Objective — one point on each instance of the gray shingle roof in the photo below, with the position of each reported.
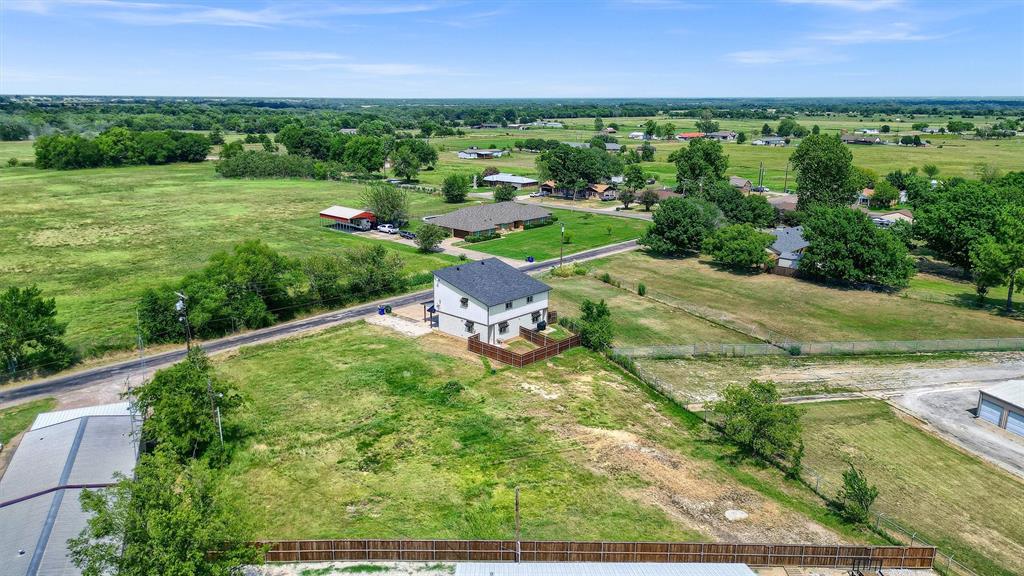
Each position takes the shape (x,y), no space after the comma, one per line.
(788,241)
(488,216)
(491,281)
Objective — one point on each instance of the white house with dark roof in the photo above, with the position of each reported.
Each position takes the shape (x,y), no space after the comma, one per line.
(489,298)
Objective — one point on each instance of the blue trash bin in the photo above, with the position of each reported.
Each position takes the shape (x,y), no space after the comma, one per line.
(529,258)
(380,310)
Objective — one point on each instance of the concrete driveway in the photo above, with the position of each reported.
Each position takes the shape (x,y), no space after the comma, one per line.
(950,412)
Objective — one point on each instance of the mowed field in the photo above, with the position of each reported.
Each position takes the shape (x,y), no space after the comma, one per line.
(585,231)
(955,501)
(638,321)
(96,239)
(805,311)
(357,432)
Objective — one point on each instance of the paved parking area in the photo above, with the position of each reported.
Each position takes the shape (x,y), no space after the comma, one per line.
(950,412)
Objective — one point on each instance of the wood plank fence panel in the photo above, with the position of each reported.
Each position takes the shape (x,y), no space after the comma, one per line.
(837,556)
(548,347)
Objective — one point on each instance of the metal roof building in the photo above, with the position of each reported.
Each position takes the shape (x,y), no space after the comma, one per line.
(1003,405)
(599,569)
(490,217)
(62,453)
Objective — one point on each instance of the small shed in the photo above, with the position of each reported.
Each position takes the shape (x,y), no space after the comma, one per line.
(344,218)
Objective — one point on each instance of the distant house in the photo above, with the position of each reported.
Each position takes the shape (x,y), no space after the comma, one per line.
(488,298)
(636,135)
(784,202)
(769,141)
(577,144)
(687,136)
(860,139)
(788,249)
(742,183)
(666,193)
(612,147)
(480,153)
(866,131)
(599,190)
(609,130)
(722,136)
(487,125)
(898,216)
(864,198)
(519,182)
(545,124)
(350,131)
(489,218)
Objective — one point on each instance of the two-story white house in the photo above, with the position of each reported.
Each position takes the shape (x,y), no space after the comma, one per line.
(489,298)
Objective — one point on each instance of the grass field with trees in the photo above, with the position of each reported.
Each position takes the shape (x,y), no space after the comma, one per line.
(805,311)
(96,239)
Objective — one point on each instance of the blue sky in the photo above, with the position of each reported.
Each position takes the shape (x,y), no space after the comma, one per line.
(550,49)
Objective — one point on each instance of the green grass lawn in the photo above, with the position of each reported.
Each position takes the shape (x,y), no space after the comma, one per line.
(585,229)
(356,432)
(17,419)
(95,239)
(638,321)
(803,310)
(953,500)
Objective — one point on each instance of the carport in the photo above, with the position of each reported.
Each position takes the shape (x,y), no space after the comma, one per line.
(344,218)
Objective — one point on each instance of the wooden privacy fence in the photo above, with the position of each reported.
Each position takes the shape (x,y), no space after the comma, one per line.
(834,556)
(547,347)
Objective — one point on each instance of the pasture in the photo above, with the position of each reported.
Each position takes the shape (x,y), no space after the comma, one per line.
(584,230)
(951,499)
(806,311)
(430,442)
(96,239)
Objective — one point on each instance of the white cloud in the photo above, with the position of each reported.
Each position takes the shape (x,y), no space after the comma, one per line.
(854,5)
(800,55)
(293,55)
(170,14)
(899,32)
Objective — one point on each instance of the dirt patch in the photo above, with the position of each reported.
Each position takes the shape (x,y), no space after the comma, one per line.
(85,235)
(399,324)
(685,490)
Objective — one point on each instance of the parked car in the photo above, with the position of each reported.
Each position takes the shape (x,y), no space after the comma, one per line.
(394,180)
(538,194)
(388,228)
(761,189)
(406,234)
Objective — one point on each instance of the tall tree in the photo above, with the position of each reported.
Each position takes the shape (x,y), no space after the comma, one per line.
(739,246)
(405,163)
(856,496)
(455,188)
(30,335)
(634,178)
(824,168)
(388,203)
(702,162)
(595,325)
(680,225)
(706,124)
(999,259)
(598,124)
(755,418)
(428,236)
(505,193)
(167,519)
(845,245)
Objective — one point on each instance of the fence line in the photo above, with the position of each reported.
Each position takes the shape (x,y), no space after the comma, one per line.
(547,347)
(824,348)
(830,556)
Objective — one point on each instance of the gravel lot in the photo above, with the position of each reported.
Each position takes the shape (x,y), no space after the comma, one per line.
(950,412)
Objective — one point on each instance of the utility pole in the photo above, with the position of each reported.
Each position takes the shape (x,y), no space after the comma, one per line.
(785,185)
(182,308)
(561,247)
(519,550)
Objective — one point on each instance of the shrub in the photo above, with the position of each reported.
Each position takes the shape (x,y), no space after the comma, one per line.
(455,188)
(757,421)
(595,325)
(482,237)
(606,278)
(429,236)
(12,162)
(641,289)
(856,496)
(567,238)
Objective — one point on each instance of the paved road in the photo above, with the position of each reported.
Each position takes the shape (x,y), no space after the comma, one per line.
(121,370)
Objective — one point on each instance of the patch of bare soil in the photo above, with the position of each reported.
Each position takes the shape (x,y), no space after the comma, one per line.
(451,346)
(687,491)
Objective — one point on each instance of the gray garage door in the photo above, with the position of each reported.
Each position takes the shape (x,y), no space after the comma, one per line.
(1015,423)
(990,411)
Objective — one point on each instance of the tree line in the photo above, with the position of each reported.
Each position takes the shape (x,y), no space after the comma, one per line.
(253,286)
(119,147)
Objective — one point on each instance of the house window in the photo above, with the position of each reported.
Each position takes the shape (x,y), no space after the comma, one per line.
(508,305)
(535,316)
(469,326)
(464,302)
(502,327)
(529,299)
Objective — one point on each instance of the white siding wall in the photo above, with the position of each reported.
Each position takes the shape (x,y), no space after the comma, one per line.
(452,316)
